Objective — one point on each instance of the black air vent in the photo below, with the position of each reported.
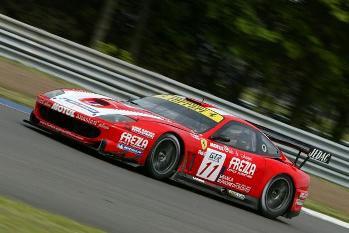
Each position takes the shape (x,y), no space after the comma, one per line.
(69,123)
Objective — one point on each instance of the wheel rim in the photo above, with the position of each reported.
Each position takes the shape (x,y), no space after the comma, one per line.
(164,156)
(278,194)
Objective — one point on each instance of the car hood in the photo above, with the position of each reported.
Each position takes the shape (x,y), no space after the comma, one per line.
(96,105)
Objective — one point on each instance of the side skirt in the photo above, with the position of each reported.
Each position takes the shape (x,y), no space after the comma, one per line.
(216,190)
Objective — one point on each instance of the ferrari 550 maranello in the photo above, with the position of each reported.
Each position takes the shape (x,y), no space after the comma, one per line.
(186,140)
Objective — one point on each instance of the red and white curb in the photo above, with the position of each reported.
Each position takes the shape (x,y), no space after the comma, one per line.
(326,217)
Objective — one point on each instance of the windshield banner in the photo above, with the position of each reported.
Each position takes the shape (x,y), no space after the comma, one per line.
(193,106)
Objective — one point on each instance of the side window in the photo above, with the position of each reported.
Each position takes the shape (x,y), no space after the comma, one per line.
(266,147)
(240,136)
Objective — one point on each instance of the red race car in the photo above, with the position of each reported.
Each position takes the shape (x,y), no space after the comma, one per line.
(183,139)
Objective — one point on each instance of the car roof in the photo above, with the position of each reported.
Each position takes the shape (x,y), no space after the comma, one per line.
(229,116)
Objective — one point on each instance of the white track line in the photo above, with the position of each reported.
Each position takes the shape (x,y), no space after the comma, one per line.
(326,218)
(14,108)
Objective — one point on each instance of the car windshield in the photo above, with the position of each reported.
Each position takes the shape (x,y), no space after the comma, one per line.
(182,111)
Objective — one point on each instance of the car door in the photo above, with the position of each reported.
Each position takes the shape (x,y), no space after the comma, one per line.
(231,159)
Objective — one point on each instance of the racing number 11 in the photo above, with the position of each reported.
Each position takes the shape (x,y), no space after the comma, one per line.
(211,164)
(205,168)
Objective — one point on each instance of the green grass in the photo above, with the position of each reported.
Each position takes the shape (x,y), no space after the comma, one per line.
(26,99)
(37,71)
(323,208)
(17,97)
(21,218)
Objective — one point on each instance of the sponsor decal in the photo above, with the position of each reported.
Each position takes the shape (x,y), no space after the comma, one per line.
(133,141)
(143,132)
(203,144)
(215,157)
(60,130)
(243,156)
(303,195)
(129,148)
(44,102)
(91,121)
(195,136)
(320,155)
(103,126)
(211,164)
(236,195)
(300,202)
(221,147)
(201,152)
(62,109)
(242,167)
(88,120)
(301,198)
(193,106)
(228,181)
(198,179)
(225,180)
(81,105)
(264,148)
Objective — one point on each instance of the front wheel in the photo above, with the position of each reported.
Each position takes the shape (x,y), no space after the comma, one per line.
(277,196)
(164,158)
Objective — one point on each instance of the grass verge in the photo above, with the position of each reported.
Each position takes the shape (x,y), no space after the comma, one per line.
(21,83)
(325,209)
(21,218)
(17,97)
(328,198)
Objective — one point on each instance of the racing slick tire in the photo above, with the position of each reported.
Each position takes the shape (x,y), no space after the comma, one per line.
(277,196)
(164,157)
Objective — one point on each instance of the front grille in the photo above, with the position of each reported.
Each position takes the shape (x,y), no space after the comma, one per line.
(69,123)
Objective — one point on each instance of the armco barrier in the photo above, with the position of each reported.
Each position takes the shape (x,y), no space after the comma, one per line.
(111,76)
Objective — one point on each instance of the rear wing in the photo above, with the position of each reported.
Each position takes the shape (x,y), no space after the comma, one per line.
(305,152)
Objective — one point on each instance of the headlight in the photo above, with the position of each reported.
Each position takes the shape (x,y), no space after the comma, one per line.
(117,118)
(54,93)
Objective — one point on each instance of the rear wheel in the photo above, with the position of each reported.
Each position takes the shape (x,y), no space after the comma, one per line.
(164,158)
(277,196)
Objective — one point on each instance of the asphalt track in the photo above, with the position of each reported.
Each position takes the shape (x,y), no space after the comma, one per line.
(55,175)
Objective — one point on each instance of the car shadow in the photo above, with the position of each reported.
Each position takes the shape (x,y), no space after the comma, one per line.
(81,147)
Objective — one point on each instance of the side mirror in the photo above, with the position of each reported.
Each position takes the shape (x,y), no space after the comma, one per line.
(220,138)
